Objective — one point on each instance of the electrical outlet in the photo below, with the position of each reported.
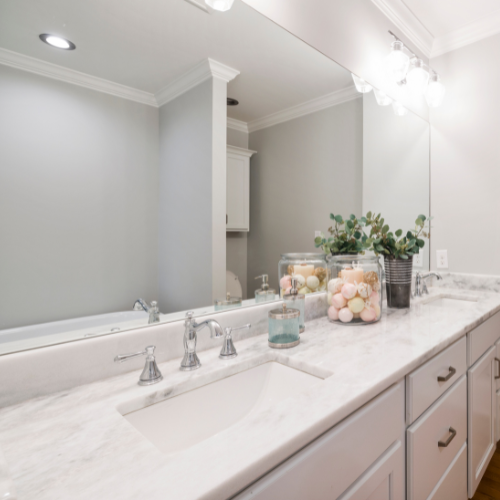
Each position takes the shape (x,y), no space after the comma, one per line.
(418,260)
(317,233)
(442,259)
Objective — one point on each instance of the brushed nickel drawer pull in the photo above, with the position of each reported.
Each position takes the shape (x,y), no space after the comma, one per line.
(444,444)
(445,379)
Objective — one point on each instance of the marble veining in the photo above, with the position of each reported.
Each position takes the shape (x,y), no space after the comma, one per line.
(462,281)
(76,444)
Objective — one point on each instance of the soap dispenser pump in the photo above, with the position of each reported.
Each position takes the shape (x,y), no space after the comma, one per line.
(264,293)
(296,300)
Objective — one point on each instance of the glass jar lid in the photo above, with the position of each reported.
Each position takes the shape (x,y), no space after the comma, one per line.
(303,256)
(284,313)
(228,301)
(350,258)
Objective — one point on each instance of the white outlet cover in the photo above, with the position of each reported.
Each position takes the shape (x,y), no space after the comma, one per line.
(442,259)
(418,260)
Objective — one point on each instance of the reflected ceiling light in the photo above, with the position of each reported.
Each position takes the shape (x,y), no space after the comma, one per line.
(57,41)
(434,94)
(399,109)
(221,5)
(361,85)
(417,78)
(232,102)
(382,98)
(397,62)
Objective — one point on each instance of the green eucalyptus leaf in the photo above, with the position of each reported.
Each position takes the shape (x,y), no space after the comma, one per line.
(385,229)
(404,257)
(419,222)
(318,240)
(422,217)
(399,232)
(338,218)
(332,216)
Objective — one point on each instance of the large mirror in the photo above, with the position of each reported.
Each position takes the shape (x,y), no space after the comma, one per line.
(126,173)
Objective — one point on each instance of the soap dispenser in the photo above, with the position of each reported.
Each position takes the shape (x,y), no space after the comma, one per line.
(296,300)
(264,293)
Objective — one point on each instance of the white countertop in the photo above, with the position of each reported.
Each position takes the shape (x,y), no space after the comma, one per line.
(76,445)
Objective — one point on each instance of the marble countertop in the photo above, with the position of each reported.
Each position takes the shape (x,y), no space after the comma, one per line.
(76,444)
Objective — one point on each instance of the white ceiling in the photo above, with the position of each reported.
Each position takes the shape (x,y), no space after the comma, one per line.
(441,17)
(148,44)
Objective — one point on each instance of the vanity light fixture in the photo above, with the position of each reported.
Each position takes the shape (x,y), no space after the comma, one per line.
(417,78)
(221,5)
(399,109)
(57,41)
(434,94)
(361,85)
(232,102)
(382,98)
(397,62)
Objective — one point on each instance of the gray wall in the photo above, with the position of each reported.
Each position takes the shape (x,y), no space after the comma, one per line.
(185,219)
(304,169)
(78,200)
(237,138)
(396,166)
(465,152)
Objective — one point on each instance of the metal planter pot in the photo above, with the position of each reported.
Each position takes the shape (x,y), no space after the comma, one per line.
(398,274)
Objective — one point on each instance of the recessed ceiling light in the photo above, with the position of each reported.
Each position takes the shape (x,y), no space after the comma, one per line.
(232,102)
(58,42)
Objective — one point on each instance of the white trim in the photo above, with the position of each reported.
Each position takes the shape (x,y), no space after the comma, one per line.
(404,19)
(237,125)
(473,32)
(306,108)
(203,71)
(248,153)
(39,67)
(200,4)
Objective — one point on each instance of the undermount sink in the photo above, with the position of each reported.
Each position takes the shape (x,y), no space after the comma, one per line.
(450,301)
(185,420)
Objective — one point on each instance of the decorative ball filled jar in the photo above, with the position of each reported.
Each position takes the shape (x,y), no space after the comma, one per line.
(355,291)
(310,269)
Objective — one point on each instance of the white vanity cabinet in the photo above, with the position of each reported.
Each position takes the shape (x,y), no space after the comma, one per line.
(362,458)
(497,387)
(238,189)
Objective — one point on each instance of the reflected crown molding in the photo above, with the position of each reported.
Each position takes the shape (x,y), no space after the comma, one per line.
(237,125)
(306,108)
(206,69)
(56,72)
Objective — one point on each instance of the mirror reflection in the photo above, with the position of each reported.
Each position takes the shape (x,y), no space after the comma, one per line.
(149,173)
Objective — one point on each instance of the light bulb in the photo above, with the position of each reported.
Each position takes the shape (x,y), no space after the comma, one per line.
(434,94)
(382,98)
(417,78)
(399,109)
(361,85)
(397,63)
(221,5)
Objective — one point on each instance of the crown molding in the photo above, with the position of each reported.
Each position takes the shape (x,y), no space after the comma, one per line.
(407,23)
(306,108)
(473,32)
(204,70)
(240,151)
(39,67)
(237,125)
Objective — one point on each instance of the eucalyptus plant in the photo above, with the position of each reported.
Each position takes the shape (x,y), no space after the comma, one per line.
(347,236)
(394,245)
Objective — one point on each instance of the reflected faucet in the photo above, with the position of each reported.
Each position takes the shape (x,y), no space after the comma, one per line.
(154,313)
(191,360)
(420,285)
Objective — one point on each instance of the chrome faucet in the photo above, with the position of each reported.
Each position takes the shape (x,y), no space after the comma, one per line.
(420,285)
(151,373)
(191,360)
(228,350)
(154,313)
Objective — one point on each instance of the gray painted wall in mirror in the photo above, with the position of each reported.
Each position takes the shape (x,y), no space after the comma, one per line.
(78,200)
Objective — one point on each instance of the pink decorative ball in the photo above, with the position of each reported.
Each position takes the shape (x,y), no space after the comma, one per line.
(375,298)
(368,314)
(339,301)
(286,282)
(349,291)
(333,313)
(345,315)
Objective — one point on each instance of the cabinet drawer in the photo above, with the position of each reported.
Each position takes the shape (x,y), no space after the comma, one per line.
(498,417)
(453,485)
(427,460)
(482,338)
(423,386)
(330,465)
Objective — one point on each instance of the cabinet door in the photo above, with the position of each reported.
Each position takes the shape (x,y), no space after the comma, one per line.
(481,413)
(238,192)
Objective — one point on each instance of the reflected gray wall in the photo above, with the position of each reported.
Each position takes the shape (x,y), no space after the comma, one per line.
(78,200)
(303,170)
(395,166)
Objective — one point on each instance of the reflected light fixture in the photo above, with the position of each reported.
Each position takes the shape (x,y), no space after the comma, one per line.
(57,41)
(434,94)
(361,85)
(417,78)
(221,5)
(397,62)
(382,98)
(399,109)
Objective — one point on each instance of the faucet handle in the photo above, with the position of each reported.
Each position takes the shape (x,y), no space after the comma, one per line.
(228,350)
(151,373)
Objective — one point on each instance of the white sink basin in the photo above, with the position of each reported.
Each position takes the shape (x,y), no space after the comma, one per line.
(185,420)
(450,301)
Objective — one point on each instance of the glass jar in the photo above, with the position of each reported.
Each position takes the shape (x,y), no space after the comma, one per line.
(227,303)
(355,293)
(283,328)
(310,269)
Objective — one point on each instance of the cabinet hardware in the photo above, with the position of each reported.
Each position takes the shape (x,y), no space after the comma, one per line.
(498,361)
(445,379)
(444,444)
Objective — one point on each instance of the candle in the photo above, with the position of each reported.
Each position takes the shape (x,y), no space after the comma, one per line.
(352,275)
(305,270)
